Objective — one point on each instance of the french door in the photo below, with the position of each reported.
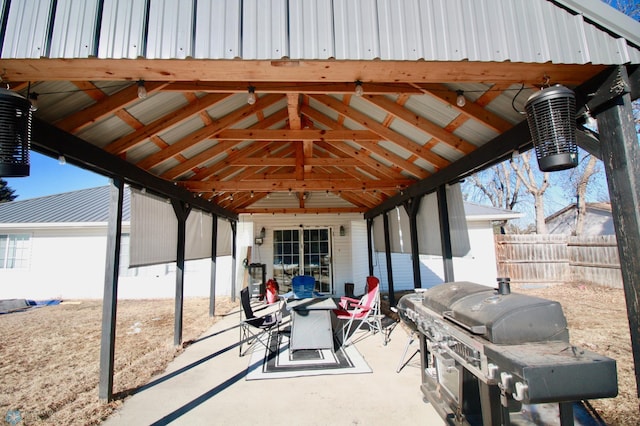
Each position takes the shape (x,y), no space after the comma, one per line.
(303,252)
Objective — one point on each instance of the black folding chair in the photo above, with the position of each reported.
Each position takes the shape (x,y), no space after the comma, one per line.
(255,329)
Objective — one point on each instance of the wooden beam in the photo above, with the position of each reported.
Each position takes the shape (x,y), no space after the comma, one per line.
(165,122)
(621,158)
(49,140)
(307,210)
(471,110)
(294,185)
(110,297)
(493,152)
(104,107)
(291,87)
(421,123)
(383,132)
(174,70)
(206,132)
(289,135)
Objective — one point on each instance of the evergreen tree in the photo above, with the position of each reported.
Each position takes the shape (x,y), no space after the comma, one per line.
(6,193)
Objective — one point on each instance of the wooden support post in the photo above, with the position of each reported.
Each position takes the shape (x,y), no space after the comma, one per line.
(110,298)
(234,232)
(445,234)
(370,245)
(621,157)
(411,206)
(387,250)
(214,258)
(181,210)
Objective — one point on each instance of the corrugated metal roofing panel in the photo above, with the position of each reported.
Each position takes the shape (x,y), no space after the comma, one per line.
(60,98)
(447,151)
(355,24)
(264,29)
(27,29)
(436,30)
(122,29)
(400,29)
(105,131)
(218,29)
(311,29)
(474,132)
(74,29)
(170,33)
(86,205)
(175,133)
(431,109)
(367,108)
(156,106)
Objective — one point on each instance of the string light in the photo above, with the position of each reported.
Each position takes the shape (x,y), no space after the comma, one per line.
(251,96)
(142,91)
(359,90)
(251,194)
(460,99)
(61,160)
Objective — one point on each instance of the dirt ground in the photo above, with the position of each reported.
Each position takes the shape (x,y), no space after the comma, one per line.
(598,321)
(49,357)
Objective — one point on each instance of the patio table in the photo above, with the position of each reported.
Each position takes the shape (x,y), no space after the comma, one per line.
(311,323)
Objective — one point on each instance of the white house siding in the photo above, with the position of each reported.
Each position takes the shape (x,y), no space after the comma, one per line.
(478,266)
(63,263)
(69,263)
(342,245)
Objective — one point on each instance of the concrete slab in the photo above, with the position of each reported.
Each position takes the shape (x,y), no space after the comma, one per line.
(206,385)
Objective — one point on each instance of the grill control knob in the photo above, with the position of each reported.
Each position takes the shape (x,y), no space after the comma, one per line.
(521,388)
(505,379)
(492,370)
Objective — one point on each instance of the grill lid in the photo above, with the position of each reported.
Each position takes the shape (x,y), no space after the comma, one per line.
(499,318)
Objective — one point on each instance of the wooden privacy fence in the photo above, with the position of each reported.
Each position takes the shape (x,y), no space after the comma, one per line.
(558,259)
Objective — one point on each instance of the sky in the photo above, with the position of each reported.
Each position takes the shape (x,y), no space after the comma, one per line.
(49,177)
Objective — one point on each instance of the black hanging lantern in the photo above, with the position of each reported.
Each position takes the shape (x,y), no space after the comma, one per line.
(551,114)
(15,134)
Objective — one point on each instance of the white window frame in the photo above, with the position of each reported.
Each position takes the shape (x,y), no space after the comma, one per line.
(16,251)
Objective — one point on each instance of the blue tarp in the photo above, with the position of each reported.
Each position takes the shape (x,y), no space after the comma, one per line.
(8,306)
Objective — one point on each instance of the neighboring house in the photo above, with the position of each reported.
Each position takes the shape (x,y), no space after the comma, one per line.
(55,247)
(598,220)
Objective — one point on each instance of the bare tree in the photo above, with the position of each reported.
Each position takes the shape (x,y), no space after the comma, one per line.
(581,192)
(527,177)
(628,7)
(498,185)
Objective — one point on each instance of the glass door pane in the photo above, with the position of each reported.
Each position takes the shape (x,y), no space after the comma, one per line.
(317,258)
(286,257)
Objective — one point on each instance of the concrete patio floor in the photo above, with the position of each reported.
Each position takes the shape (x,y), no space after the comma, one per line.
(206,385)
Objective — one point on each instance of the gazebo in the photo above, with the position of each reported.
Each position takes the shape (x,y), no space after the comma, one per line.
(317,107)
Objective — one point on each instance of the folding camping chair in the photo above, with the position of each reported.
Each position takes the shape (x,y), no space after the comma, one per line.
(255,329)
(363,311)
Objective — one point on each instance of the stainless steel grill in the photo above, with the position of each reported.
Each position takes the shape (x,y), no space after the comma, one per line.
(485,352)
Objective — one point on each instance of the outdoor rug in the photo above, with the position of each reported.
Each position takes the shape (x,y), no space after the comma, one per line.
(281,363)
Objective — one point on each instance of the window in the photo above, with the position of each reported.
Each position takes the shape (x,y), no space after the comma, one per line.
(14,251)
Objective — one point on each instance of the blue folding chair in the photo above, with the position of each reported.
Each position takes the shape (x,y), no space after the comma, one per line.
(302,286)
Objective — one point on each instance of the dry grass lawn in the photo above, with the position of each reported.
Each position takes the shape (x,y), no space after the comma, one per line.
(598,321)
(49,357)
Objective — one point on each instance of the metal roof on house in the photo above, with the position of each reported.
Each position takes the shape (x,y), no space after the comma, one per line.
(84,206)
(92,206)
(475,211)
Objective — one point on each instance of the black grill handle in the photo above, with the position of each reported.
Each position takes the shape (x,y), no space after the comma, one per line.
(474,329)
